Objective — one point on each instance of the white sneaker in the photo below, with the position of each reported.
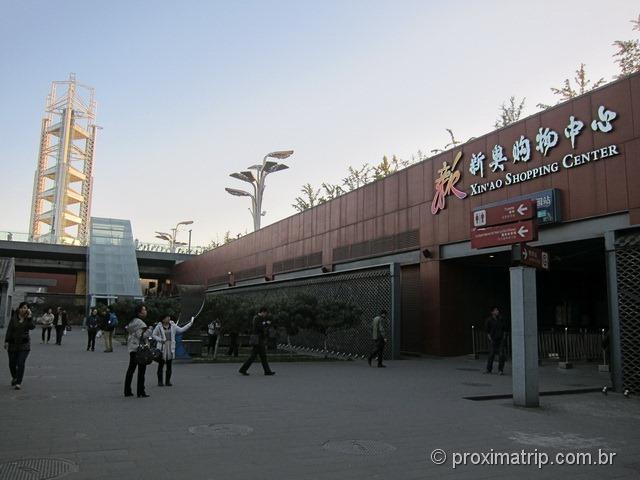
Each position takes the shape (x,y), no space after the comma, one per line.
(17,387)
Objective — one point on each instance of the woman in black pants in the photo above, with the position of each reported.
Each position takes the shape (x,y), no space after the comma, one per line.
(137,336)
(165,336)
(18,343)
(92,329)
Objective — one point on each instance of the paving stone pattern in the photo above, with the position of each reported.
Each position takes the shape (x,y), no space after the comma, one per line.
(313,420)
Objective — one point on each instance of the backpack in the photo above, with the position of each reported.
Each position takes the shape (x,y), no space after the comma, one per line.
(112,322)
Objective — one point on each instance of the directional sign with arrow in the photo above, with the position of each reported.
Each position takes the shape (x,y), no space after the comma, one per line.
(508,234)
(507,213)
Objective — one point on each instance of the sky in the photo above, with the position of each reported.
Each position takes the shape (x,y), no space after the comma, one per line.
(188,92)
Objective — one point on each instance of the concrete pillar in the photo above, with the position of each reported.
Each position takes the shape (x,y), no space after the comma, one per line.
(524,336)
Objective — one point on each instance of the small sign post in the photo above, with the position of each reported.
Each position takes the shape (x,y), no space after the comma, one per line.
(514,224)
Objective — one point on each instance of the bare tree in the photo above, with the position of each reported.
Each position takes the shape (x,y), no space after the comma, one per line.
(567,91)
(310,198)
(510,112)
(628,53)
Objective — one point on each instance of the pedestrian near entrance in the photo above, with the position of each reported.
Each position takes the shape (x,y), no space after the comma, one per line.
(92,329)
(233,343)
(109,322)
(496,329)
(164,334)
(137,336)
(213,331)
(379,339)
(60,323)
(17,343)
(257,339)
(46,322)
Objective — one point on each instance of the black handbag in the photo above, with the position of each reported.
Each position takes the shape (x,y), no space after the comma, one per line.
(156,354)
(254,339)
(144,356)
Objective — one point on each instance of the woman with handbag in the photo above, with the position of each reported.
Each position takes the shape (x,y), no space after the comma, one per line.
(17,342)
(136,338)
(165,336)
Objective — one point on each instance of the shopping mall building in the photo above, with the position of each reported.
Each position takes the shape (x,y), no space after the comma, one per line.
(405,240)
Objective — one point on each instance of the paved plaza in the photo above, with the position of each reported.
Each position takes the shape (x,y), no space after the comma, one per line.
(313,420)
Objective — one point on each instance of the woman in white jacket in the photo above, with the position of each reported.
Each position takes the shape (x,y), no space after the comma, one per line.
(165,334)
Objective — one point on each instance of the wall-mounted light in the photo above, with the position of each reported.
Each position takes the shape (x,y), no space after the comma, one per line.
(426,253)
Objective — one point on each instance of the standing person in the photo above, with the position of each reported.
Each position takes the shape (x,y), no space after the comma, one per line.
(60,323)
(496,329)
(379,339)
(137,336)
(109,324)
(165,335)
(259,327)
(45,323)
(213,330)
(233,343)
(18,343)
(92,329)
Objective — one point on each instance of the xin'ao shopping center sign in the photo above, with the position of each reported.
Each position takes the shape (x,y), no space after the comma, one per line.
(494,170)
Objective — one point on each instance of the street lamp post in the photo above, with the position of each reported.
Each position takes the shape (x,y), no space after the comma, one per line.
(257,180)
(171,237)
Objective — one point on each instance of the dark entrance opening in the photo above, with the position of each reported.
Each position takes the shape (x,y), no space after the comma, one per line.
(573,294)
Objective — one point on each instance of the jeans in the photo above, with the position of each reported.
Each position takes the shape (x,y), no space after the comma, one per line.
(48,331)
(129,376)
(59,334)
(495,348)
(16,364)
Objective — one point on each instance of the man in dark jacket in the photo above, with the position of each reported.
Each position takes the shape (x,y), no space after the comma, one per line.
(259,331)
(60,322)
(496,329)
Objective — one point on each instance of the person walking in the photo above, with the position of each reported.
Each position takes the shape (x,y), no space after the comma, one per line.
(259,328)
(60,324)
(213,330)
(92,329)
(164,334)
(379,339)
(496,329)
(17,343)
(137,336)
(46,321)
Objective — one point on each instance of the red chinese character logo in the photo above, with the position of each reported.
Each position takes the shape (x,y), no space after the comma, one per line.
(445,185)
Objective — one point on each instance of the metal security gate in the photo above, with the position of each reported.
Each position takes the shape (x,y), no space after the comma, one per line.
(412,340)
(627,252)
(370,289)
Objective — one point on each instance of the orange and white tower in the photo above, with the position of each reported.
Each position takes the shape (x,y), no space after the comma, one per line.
(61,205)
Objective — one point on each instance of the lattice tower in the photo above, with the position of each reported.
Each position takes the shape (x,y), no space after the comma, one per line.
(61,204)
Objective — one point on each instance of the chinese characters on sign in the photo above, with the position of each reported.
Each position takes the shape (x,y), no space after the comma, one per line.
(445,185)
(546,140)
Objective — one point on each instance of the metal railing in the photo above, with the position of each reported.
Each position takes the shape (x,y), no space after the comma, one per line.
(60,240)
(562,344)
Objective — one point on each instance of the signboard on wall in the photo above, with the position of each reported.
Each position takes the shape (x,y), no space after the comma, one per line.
(506,213)
(507,234)
(501,165)
(548,204)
